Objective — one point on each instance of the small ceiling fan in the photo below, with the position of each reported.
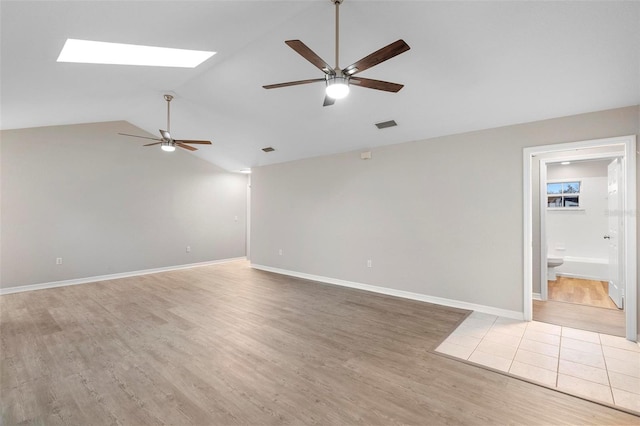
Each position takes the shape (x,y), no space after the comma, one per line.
(338,79)
(167,143)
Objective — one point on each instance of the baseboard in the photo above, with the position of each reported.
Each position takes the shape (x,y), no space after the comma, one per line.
(537,296)
(398,293)
(582,276)
(54,284)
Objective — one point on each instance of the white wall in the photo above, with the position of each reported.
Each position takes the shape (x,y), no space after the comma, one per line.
(106,205)
(440,217)
(579,233)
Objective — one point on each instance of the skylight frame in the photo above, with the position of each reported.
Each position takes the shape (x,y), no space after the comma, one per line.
(107,53)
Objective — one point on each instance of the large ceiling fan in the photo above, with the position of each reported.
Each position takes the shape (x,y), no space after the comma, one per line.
(167,142)
(338,79)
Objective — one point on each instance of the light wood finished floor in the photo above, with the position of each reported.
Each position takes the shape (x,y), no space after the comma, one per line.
(584,292)
(226,344)
(583,317)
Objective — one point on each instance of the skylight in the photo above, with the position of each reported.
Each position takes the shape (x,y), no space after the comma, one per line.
(99,52)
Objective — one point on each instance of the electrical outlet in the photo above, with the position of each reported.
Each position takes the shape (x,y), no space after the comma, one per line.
(188,249)
(369,263)
(58,261)
(280,252)
(235,218)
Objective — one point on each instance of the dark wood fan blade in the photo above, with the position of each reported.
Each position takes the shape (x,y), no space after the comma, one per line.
(192,141)
(142,137)
(304,51)
(190,148)
(149,144)
(328,101)
(293,83)
(387,52)
(376,84)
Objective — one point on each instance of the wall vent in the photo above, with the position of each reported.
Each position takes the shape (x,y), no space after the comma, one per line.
(268,149)
(385,124)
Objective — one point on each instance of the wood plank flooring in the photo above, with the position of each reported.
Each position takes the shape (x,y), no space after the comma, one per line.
(226,344)
(583,317)
(584,292)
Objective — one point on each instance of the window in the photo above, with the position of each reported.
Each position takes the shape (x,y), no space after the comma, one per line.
(563,194)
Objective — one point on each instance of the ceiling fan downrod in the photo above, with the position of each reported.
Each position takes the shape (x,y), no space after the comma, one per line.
(168,98)
(338,82)
(337,3)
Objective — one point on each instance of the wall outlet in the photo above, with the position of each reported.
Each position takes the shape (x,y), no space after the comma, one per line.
(369,263)
(58,261)
(235,218)
(188,249)
(280,252)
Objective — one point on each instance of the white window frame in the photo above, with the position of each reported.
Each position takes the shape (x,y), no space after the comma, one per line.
(562,208)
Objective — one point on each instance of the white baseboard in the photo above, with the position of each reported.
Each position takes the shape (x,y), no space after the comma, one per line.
(42,286)
(591,277)
(398,293)
(537,296)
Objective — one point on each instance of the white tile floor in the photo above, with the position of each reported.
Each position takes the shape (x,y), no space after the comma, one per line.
(596,366)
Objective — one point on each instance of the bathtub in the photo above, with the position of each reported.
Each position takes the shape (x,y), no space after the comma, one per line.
(585,268)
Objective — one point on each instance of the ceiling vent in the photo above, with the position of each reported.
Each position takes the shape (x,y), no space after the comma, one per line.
(268,149)
(385,124)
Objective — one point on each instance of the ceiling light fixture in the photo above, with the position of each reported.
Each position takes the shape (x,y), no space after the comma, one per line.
(168,146)
(566,163)
(337,87)
(246,171)
(99,52)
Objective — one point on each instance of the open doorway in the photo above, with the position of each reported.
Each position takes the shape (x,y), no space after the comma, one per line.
(580,235)
(578,189)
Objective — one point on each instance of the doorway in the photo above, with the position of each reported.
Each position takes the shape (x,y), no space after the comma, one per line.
(557,206)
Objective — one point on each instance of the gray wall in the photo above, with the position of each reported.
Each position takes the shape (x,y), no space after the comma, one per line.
(106,204)
(441,217)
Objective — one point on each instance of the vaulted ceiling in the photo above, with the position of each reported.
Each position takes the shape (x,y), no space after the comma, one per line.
(472,65)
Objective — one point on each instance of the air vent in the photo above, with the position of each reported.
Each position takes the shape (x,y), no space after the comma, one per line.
(385,124)
(268,149)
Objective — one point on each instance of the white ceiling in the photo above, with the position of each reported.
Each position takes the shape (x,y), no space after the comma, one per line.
(472,65)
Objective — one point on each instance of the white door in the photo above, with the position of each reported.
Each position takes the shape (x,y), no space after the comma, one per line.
(616,285)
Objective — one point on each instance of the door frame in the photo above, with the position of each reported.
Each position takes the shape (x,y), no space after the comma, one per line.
(629,203)
(544,290)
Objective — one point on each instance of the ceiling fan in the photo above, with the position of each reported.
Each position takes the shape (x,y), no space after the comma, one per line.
(338,79)
(167,143)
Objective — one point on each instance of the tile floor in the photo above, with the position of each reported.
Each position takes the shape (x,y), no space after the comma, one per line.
(596,366)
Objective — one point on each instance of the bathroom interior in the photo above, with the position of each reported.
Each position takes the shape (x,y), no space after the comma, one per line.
(583,271)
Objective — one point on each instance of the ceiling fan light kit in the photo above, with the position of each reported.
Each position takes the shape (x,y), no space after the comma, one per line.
(337,87)
(168,146)
(338,79)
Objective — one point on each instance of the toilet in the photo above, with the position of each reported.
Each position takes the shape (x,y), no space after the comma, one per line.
(552,264)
